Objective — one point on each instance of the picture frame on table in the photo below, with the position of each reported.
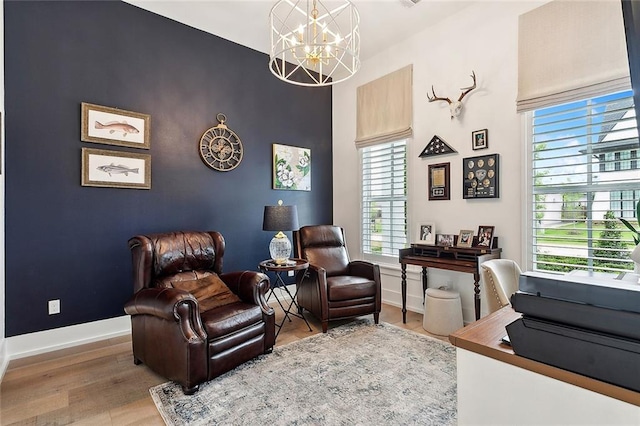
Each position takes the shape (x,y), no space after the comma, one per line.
(438,181)
(465,239)
(485,236)
(427,233)
(113,126)
(480,139)
(445,240)
(115,169)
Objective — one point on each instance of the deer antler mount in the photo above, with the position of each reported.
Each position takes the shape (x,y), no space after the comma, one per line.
(454,106)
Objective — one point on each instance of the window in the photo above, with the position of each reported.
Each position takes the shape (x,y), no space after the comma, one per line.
(584,177)
(384,198)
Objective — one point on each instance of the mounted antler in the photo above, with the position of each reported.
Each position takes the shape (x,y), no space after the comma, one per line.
(455,107)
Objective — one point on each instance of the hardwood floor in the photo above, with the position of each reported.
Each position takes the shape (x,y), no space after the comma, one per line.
(98,383)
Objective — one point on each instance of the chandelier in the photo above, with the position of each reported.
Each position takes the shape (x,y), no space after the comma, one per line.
(312,45)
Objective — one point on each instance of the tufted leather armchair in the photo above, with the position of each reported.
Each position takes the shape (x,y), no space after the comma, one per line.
(500,277)
(179,334)
(335,287)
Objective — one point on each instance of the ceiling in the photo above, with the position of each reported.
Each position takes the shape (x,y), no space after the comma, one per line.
(383,23)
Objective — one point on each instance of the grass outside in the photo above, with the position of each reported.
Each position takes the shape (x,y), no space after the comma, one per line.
(575,234)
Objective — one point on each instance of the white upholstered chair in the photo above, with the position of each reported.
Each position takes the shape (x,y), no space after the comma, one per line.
(500,277)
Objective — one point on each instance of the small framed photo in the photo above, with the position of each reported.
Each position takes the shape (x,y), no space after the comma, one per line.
(115,169)
(465,239)
(445,240)
(427,233)
(485,236)
(113,126)
(480,139)
(439,181)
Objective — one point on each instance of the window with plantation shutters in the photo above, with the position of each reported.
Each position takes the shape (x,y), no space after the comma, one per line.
(585,175)
(384,198)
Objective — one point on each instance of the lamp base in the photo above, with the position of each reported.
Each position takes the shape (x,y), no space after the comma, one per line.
(280,249)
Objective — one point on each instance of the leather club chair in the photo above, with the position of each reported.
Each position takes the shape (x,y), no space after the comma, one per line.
(500,277)
(335,287)
(189,321)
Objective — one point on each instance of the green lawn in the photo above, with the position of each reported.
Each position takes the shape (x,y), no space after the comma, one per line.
(575,234)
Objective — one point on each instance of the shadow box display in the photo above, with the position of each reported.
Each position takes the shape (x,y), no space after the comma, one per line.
(481,176)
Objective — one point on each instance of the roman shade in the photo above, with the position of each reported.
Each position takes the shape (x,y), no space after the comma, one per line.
(385,108)
(571,50)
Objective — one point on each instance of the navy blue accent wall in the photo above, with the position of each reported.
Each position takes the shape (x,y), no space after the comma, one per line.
(68,242)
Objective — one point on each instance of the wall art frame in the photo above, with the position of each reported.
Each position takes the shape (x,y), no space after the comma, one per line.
(465,238)
(427,233)
(115,169)
(481,176)
(439,182)
(485,236)
(113,126)
(291,168)
(480,139)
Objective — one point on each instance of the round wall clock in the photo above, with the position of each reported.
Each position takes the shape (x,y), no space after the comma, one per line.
(220,148)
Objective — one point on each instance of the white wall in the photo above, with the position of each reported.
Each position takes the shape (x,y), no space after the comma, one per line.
(482,38)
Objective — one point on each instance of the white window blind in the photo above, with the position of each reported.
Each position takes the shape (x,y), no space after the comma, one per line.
(571,50)
(385,108)
(585,176)
(384,198)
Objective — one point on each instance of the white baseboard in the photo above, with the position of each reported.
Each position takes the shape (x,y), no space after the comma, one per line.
(65,337)
(4,358)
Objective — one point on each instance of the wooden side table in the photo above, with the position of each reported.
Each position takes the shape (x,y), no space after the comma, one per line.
(300,266)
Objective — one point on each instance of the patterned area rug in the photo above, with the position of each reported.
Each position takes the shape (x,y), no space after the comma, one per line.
(356,374)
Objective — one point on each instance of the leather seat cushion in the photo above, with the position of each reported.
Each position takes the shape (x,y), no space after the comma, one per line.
(346,287)
(227,319)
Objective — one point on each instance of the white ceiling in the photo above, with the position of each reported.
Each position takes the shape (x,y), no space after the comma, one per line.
(382,22)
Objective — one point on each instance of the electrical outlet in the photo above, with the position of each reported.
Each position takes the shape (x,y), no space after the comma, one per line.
(54,307)
(290,273)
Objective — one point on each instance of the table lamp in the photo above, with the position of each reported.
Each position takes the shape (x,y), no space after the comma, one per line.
(280,218)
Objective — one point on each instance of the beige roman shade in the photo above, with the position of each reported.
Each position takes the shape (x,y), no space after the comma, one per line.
(570,50)
(385,108)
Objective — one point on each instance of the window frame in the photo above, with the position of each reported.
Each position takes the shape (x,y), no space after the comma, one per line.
(388,258)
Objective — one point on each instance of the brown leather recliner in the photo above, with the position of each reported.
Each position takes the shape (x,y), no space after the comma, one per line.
(186,325)
(335,287)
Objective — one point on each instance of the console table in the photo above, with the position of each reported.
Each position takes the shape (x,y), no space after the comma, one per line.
(460,259)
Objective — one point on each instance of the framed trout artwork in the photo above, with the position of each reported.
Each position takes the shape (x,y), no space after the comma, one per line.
(113,126)
(115,169)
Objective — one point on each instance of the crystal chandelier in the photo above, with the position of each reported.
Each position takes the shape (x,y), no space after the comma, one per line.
(312,45)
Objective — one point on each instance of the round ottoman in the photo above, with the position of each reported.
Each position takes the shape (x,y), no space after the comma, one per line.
(442,311)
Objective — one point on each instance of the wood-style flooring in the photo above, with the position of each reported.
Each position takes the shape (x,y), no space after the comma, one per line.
(98,383)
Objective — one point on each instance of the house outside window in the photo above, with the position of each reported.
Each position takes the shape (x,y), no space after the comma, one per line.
(584,177)
(384,198)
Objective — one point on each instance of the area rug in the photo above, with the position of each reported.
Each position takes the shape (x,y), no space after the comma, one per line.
(356,374)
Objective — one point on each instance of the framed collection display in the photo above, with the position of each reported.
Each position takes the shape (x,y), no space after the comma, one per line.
(485,236)
(113,126)
(427,233)
(439,181)
(481,176)
(115,169)
(291,168)
(465,239)
(480,139)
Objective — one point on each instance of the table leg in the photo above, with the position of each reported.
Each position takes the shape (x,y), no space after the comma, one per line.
(404,292)
(424,282)
(476,290)
(294,303)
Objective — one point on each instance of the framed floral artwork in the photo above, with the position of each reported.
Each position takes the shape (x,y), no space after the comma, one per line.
(291,168)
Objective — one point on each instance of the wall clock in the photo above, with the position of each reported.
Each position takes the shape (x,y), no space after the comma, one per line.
(220,147)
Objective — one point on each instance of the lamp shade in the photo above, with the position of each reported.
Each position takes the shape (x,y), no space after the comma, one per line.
(280,218)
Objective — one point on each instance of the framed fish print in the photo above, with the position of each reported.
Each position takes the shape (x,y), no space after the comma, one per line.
(113,126)
(115,169)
